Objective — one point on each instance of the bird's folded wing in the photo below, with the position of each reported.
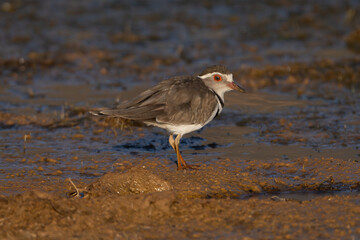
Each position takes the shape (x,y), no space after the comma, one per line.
(180,100)
(188,102)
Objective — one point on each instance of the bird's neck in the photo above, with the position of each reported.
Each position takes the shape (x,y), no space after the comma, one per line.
(220,98)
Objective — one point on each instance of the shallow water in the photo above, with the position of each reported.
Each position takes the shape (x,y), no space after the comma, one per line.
(246,130)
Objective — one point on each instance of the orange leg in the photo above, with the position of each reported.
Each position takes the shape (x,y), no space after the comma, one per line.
(180,160)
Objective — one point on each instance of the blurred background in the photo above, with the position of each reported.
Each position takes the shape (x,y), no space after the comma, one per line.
(125,43)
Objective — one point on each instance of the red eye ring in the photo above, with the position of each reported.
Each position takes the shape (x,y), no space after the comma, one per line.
(217,78)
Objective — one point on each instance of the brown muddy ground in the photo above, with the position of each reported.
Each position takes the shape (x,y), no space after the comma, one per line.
(281,162)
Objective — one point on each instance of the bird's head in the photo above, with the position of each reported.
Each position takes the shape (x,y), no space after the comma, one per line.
(219,79)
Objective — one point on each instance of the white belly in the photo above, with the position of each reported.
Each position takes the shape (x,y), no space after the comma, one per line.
(178,129)
(183,129)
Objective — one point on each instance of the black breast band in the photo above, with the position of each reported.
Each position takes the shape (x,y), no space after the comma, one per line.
(219,98)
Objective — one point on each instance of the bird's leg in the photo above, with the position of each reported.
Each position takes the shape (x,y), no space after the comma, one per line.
(181,162)
(175,147)
(172,142)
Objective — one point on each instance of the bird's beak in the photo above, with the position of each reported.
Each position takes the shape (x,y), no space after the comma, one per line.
(237,87)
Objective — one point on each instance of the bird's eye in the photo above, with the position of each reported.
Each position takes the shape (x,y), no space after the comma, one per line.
(217,78)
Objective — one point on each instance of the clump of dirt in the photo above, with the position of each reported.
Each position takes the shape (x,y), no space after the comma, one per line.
(134,181)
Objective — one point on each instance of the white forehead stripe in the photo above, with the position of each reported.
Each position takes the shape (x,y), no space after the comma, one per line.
(229,77)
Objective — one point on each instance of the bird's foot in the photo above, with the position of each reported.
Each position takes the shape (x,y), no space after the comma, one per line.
(182,164)
(188,166)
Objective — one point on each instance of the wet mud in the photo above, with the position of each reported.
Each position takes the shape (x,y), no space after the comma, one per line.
(280,162)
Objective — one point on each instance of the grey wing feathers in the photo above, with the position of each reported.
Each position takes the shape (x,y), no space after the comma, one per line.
(189,102)
(179,100)
(144,107)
